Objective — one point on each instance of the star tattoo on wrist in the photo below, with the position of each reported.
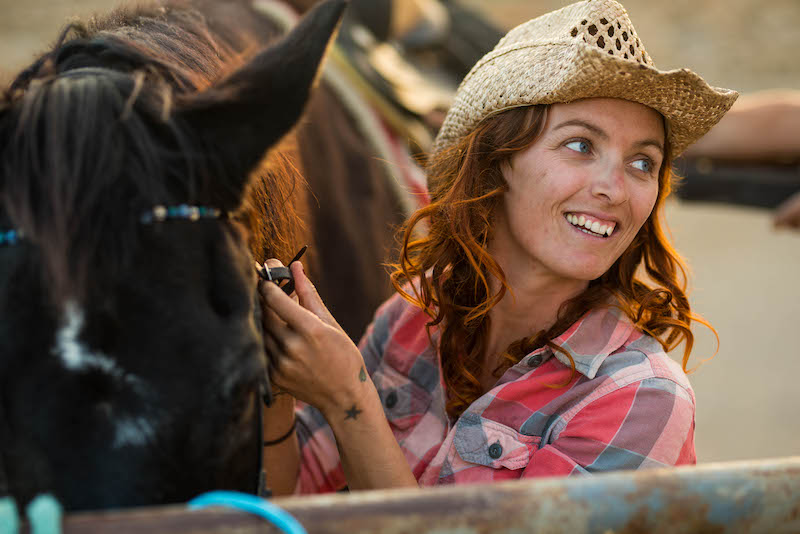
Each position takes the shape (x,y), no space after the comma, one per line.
(352,413)
(362,375)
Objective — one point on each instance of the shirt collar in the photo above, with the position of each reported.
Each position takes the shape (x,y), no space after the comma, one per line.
(593,338)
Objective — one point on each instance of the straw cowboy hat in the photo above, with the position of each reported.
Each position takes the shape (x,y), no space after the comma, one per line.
(588,49)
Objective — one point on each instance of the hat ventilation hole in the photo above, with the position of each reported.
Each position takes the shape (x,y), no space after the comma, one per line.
(614,36)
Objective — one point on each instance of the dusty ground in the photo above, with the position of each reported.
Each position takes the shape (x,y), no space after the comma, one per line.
(745,275)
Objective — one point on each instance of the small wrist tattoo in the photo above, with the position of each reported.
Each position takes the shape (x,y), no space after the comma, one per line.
(362,375)
(352,413)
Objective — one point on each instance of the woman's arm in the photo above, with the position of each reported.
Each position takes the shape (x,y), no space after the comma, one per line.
(316,362)
(281,460)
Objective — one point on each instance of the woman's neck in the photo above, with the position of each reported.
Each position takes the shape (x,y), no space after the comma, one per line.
(532,305)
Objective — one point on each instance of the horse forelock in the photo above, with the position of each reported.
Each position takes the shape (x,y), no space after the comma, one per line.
(92,138)
(85,156)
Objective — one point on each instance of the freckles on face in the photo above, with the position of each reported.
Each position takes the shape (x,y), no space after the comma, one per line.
(580,193)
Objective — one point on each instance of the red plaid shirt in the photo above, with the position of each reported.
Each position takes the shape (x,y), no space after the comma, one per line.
(629,406)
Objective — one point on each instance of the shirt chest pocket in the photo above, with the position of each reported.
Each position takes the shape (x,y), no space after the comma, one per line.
(492,444)
(404,401)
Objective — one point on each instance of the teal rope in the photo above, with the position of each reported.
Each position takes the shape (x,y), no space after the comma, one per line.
(9,516)
(44,515)
(245,502)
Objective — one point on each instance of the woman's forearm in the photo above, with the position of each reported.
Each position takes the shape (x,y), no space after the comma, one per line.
(282,460)
(370,455)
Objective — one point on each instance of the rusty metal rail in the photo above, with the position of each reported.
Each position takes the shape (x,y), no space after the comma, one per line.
(737,497)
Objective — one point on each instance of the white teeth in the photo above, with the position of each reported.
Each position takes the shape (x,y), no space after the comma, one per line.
(592,226)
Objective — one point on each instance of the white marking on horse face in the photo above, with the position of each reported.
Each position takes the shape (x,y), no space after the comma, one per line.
(129,430)
(133,432)
(74,354)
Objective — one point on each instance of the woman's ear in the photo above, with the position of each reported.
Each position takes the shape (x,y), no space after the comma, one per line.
(239,118)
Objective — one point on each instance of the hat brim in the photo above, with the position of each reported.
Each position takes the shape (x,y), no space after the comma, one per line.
(548,73)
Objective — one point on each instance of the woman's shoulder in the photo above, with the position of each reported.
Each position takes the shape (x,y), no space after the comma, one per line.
(399,323)
(642,358)
(606,346)
(399,309)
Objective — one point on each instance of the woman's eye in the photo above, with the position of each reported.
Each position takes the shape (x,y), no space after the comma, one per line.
(578,146)
(644,165)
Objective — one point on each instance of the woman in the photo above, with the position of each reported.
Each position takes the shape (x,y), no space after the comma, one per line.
(529,332)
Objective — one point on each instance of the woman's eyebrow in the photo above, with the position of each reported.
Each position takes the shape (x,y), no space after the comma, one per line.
(651,142)
(588,125)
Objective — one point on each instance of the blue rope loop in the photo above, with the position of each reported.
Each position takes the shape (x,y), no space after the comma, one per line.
(245,502)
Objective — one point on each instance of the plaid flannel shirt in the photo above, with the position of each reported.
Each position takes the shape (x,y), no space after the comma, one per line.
(629,406)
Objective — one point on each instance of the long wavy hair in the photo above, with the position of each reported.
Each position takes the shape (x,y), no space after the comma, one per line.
(446,272)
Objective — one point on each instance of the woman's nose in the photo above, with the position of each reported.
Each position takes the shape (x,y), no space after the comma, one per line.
(609,184)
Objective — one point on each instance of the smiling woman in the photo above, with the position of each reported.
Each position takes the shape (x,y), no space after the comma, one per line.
(532,321)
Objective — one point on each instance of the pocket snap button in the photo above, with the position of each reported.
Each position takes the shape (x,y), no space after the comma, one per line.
(535,361)
(391,399)
(495,451)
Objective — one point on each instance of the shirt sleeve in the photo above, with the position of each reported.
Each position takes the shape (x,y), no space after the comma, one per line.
(649,423)
(320,466)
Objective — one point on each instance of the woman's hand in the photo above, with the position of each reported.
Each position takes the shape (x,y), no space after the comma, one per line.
(312,358)
(788,214)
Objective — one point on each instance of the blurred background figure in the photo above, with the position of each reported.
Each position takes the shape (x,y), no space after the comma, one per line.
(761,132)
(742,179)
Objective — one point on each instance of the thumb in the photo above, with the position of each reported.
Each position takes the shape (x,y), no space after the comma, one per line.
(308,296)
(788,213)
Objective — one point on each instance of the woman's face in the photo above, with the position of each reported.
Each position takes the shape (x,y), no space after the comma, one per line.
(580,193)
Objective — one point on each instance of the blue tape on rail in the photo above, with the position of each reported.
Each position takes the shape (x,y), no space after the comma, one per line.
(245,502)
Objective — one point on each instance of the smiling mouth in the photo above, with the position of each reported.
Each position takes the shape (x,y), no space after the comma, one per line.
(590,226)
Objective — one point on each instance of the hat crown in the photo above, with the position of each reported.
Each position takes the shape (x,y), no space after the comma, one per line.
(603,24)
(585,50)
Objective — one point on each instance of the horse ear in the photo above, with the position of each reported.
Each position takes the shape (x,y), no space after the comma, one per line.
(239,118)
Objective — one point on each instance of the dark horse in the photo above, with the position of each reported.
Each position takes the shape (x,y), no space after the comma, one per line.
(132,169)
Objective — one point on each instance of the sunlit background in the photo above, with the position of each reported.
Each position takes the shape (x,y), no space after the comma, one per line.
(746,276)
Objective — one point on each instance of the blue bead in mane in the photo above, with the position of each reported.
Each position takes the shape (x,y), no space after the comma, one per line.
(10,237)
(182,211)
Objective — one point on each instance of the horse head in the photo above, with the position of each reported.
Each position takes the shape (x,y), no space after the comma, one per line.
(131,360)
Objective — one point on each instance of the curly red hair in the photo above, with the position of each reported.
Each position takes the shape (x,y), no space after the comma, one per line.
(446,272)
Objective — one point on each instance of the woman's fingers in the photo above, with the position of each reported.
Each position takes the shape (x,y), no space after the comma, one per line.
(286,309)
(308,296)
(275,351)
